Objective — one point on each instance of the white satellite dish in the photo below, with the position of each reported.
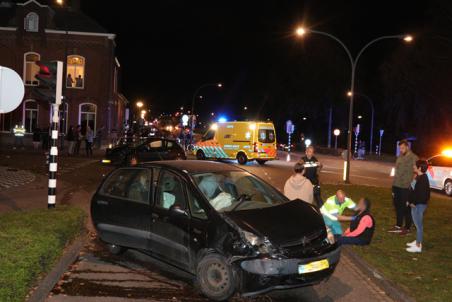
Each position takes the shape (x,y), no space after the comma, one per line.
(11,90)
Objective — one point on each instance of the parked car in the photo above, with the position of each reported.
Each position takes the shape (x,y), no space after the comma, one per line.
(227,227)
(440,173)
(143,150)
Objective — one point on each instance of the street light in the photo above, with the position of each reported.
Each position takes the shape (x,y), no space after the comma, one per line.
(336,133)
(139,104)
(301,32)
(219,85)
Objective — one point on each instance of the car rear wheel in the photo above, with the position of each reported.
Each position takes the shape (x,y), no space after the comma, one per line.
(261,161)
(200,155)
(448,187)
(241,158)
(115,249)
(215,277)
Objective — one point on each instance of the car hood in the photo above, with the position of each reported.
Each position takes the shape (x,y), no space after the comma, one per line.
(290,223)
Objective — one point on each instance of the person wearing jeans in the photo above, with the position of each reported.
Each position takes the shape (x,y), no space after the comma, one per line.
(400,188)
(420,196)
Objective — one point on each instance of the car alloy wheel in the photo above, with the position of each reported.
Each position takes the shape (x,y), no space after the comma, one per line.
(215,277)
(448,187)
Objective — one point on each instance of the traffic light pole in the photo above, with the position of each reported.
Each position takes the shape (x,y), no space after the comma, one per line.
(51,200)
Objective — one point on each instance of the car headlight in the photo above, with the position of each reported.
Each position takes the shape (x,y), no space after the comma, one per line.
(263,245)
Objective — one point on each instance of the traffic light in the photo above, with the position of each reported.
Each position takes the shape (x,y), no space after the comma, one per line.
(49,83)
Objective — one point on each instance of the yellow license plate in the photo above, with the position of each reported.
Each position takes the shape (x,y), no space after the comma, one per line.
(313,266)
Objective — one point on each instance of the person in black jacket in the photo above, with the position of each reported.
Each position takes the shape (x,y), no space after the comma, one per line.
(418,203)
(312,168)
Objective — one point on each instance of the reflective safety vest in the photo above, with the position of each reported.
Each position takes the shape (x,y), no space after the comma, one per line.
(333,208)
(19,130)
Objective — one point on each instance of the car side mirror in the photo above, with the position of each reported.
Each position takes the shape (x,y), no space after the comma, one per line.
(177,210)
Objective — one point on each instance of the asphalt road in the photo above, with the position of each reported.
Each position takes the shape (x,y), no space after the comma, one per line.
(133,276)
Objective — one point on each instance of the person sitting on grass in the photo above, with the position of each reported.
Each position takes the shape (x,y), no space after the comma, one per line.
(332,211)
(418,203)
(362,226)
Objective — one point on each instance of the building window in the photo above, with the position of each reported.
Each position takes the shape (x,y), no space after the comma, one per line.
(5,122)
(75,73)
(87,116)
(30,115)
(31,22)
(30,68)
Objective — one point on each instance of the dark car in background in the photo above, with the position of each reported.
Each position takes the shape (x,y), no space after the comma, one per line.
(227,227)
(143,150)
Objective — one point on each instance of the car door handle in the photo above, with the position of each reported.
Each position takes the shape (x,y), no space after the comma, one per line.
(103,202)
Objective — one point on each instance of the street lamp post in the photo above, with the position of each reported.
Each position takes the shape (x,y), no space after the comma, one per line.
(193,116)
(353,62)
(336,133)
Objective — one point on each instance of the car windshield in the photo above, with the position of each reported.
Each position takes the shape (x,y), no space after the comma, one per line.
(236,191)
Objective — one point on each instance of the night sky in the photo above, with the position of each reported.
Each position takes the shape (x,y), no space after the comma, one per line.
(169,48)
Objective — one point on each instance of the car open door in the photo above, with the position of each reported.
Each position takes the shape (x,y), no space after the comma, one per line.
(170,220)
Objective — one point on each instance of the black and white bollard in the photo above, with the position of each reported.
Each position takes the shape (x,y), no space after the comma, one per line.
(53,166)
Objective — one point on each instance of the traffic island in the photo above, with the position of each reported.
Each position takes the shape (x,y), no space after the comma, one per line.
(31,242)
(426,276)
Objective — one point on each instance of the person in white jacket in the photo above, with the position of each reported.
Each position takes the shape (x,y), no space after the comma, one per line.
(298,186)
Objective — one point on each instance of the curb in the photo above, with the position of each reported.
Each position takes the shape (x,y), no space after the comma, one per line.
(70,254)
(392,290)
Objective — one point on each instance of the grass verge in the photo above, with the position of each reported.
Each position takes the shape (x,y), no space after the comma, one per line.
(30,243)
(426,276)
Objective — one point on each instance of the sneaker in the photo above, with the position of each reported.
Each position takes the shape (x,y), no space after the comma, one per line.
(413,243)
(404,232)
(395,229)
(414,249)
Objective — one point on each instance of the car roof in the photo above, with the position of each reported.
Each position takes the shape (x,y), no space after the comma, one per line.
(193,166)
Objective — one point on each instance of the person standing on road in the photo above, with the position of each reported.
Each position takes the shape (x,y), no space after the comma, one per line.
(312,169)
(71,139)
(332,211)
(401,188)
(89,138)
(420,196)
(298,186)
(78,139)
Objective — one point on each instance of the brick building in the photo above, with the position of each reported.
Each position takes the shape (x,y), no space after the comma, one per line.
(44,30)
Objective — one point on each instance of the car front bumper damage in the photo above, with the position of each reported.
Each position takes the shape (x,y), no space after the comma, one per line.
(260,275)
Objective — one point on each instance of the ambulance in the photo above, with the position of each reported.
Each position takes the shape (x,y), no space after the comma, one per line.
(244,141)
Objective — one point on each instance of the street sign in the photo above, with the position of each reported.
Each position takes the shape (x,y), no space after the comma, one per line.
(11,90)
(357,129)
(185,119)
(290,127)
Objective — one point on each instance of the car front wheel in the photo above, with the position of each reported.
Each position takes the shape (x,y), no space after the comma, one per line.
(448,187)
(215,277)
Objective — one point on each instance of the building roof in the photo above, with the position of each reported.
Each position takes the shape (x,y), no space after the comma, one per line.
(60,18)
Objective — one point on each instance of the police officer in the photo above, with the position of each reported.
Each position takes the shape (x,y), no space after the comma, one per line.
(312,168)
(19,133)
